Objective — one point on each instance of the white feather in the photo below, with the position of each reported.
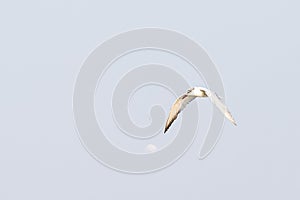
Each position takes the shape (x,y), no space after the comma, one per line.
(190,95)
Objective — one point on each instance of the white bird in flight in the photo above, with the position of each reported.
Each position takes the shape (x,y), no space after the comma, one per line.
(189,96)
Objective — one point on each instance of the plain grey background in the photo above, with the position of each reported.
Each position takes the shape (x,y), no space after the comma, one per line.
(255,45)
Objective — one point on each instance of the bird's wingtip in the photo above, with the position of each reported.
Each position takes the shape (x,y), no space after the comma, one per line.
(165,130)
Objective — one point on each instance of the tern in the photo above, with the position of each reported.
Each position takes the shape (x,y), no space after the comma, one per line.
(189,96)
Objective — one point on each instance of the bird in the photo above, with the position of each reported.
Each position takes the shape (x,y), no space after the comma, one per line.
(189,96)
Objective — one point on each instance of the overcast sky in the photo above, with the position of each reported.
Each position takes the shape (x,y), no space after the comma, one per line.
(255,46)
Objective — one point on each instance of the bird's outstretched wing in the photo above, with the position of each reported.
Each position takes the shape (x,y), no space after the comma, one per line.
(177,107)
(191,94)
(217,101)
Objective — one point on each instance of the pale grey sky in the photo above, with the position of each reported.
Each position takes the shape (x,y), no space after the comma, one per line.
(255,46)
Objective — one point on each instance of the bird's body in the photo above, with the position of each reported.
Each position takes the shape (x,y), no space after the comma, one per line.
(190,95)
